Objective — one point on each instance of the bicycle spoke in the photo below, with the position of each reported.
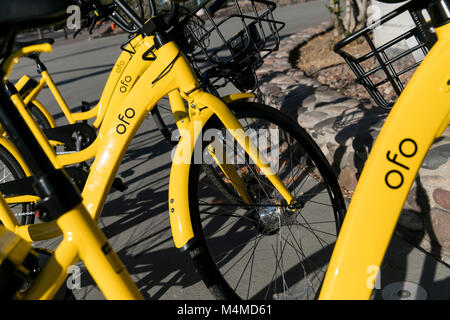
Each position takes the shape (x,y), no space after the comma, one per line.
(260,240)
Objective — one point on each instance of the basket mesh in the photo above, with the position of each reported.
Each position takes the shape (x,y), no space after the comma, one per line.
(229,45)
(385,69)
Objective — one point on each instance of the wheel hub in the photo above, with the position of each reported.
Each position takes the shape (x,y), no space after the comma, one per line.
(273,216)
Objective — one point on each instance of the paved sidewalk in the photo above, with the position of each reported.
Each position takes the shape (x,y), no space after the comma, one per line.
(345,130)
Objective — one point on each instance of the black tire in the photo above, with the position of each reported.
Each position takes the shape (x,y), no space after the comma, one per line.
(162,126)
(39,116)
(11,170)
(63,293)
(223,251)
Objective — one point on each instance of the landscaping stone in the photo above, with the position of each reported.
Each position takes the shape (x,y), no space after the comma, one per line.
(442,198)
(310,118)
(347,178)
(440,220)
(436,157)
(282,79)
(433,180)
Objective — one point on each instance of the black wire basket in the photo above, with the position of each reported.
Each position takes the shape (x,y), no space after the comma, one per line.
(228,45)
(386,68)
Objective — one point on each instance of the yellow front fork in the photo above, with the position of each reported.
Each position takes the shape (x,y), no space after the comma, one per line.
(231,173)
(179,175)
(225,115)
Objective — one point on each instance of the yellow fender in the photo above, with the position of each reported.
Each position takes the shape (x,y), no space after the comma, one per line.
(180,219)
(11,148)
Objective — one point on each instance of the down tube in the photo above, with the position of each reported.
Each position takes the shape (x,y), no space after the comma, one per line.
(419,117)
(108,90)
(115,92)
(116,133)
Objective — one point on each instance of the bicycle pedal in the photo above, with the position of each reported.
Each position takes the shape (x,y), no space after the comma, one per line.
(119,185)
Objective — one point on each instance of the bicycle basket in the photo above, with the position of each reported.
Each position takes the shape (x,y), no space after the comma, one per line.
(387,67)
(230,44)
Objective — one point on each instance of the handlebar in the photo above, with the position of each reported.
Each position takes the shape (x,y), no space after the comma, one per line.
(101,12)
(137,23)
(152,6)
(122,23)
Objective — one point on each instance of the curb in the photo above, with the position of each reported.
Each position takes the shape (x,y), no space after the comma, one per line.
(345,129)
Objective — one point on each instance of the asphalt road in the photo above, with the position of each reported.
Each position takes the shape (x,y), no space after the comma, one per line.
(136,221)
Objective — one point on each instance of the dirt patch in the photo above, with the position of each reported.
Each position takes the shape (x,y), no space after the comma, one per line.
(318,60)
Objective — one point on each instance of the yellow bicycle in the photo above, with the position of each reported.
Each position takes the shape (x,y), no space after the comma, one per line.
(77,135)
(251,196)
(419,117)
(82,237)
(238,67)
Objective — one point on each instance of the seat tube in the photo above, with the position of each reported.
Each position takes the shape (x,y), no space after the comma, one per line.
(57,95)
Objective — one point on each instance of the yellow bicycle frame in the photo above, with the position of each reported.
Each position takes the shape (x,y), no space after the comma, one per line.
(99,110)
(126,71)
(124,74)
(82,240)
(420,115)
(170,74)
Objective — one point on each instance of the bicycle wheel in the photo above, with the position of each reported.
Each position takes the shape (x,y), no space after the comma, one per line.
(263,250)
(11,170)
(161,124)
(38,116)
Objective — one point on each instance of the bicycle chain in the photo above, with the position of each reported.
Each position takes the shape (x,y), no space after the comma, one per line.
(64,152)
(21,214)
